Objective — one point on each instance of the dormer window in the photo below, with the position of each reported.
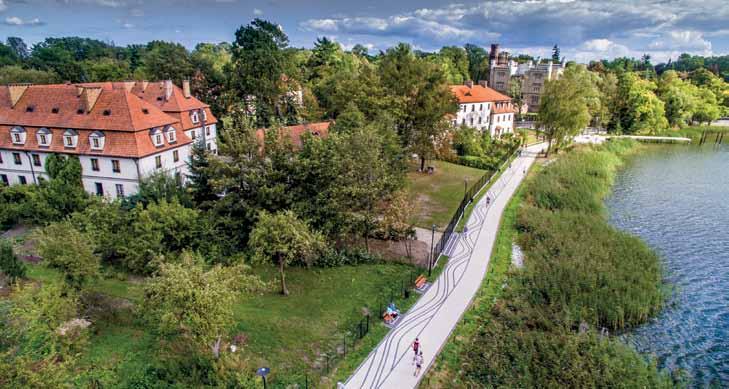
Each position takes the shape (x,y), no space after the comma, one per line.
(30,108)
(96,139)
(44,136)
(18,135)
(70,138)
(106,112)
(157,137)
(54,110)
(194,117)
(171,135)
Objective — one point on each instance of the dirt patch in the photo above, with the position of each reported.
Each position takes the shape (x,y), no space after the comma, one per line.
(419,250)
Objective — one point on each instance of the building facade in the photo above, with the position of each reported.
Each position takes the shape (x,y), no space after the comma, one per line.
(483,108)
(503,71)
(120,131)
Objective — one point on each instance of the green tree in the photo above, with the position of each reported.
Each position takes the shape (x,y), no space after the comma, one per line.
(166,61)
(18,46)
(192,306)
(17,74)
(679,98)
(637,108)
(282,238)
(350,119)
(564,109)
(707,109)
(260,63)
(478,62)
(10,265)
(64,192)
(65,248)
(200,177)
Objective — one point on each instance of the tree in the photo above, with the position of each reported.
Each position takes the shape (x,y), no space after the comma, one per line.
(282,238)
(261,64)
(564,107)
(200,176)
(192,306)
(326,56)
(18,46)
(708,109)
(17,74)
(65,248)
(478,62)
(10,265)
(680,98)
(166,61)
(555,54)
(64,192)
(637,108)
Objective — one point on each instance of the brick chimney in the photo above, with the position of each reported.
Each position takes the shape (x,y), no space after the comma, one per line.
(168,89)
(16,92)
(469,83)
(186,88)
(483,83)
(89,96)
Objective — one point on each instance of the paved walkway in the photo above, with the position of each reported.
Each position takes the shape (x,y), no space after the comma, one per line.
(434,316)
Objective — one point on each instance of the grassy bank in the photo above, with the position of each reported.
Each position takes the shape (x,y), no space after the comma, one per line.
(582,278)
(288,334)
(438,195)
(695,132)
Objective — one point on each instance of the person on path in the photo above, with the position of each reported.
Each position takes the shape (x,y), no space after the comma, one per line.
(416,348)
(418,363)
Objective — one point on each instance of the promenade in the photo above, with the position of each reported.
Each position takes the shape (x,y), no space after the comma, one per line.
(435,315)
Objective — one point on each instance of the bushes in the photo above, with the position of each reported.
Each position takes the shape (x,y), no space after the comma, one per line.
(580,275)
(335,258)
(478,150)
(10,265)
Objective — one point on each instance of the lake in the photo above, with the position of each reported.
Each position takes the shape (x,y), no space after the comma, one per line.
(676,198)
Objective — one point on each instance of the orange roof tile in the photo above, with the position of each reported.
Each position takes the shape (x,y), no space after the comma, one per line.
(320,129)
(476,94)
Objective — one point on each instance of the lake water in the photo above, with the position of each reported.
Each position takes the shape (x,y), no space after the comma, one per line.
(676,198)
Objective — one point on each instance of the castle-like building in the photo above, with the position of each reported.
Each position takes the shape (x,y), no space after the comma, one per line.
(503,71)
(121,131)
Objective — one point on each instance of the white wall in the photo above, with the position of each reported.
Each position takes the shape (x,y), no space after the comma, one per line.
(473,112)
(211,139)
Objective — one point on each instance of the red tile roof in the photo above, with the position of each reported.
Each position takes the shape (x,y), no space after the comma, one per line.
(320,129)
(506,108)
(154,93)
(116,143)
(125,111)
(124,119)
(476,94)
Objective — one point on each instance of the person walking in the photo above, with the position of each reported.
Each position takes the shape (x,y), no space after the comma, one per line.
(418,363)
(416,349)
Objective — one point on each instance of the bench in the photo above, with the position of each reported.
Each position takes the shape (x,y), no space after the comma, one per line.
(420,282)
(389,320)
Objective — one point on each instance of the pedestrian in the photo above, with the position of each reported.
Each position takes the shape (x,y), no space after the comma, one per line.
(416,348)
(418,363)
(488,200)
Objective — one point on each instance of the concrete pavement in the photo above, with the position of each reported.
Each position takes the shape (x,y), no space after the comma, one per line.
(435,315)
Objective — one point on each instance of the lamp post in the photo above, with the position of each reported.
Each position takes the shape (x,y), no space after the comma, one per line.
(465,187)
(430,260)
(263,372)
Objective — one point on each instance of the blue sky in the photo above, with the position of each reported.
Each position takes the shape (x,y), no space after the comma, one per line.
(584,30)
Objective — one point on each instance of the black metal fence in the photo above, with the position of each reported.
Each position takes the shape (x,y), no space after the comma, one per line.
(467,199)
(349,335)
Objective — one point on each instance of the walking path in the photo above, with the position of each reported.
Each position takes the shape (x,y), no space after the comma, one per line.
(433,317)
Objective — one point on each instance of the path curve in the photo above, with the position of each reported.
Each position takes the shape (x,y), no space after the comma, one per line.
(437,312)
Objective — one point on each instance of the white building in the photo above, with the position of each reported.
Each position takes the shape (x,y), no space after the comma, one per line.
(483,108)
(121,131)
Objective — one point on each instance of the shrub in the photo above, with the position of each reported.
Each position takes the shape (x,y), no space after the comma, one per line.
(336,258)
(10,265)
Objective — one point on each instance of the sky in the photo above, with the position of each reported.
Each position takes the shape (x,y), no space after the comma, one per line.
(584,30)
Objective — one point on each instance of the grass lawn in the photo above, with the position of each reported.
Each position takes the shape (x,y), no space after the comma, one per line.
(438,195)
(287,334)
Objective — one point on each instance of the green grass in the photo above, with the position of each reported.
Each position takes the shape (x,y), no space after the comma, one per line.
(444,373)
(284,333)
(695,132)
(438,195)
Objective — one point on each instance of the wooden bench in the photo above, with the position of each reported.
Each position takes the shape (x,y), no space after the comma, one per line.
(420,282)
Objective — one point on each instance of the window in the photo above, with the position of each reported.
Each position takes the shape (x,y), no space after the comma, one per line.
(464,107)
(175,156)
(99,189)
(97,140)
(471,121)
(158,139)
(119,190)
(115,166)
(194,117)
(43,140)
(94,164)
(22,180)
(463,121)
(479,120)
(4,179)
(193,134)
(70,138)
(473,108)
(36,160)
(207,130)
(16,159)
(1,157)
(158,161)
(480,107)
(16,138)
(171,136)
(209,148)
(178,178)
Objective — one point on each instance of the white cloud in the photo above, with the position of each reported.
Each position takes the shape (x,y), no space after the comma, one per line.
(128,26)
(3,6)
(257,12)
(682,40)
(16,21)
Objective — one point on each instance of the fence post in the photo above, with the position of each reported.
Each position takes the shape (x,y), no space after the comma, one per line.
(306,381)
(344,342)
(368,323)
